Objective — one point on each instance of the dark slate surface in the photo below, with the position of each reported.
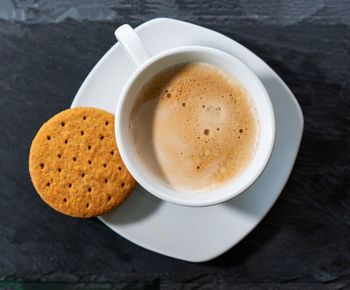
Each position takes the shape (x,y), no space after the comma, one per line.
(46,50)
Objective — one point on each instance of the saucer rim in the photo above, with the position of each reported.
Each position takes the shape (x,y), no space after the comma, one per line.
(158,21)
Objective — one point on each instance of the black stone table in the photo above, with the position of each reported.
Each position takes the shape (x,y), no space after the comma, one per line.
(46,50)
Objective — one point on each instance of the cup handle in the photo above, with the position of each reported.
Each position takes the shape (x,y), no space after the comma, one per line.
(132,44)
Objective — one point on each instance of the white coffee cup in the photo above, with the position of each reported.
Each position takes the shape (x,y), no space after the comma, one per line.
(146,67)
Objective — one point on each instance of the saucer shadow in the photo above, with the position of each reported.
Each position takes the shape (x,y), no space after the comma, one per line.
(252,200)
(257,200)
(249,247)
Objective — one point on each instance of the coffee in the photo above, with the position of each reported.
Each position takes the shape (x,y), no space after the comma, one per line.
(194,127)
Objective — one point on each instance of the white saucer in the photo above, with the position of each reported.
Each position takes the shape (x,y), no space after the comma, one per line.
(195,234)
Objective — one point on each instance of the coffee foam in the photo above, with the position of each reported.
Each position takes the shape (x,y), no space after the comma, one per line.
(194,127)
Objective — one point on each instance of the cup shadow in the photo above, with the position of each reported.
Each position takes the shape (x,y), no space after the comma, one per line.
(142,204)
(148,102)
(138,206)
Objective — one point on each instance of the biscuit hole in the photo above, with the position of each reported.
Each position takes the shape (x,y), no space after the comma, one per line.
(64,200)
(84,118)
(65,141)
(69,185)
(184,104)
(82,133)
(59,155)
(206,132)
(106,180)
(203,106)
(168,95)
(198,167)
(101,137)
(240,130)
(217,129)
(89,147)
(89,161)
(48,184)
(82,175)
(104,165)
(120,169)
(87,204)
(59,169)
(109,197)
(74,159)
(89,189)
(42,165)
(63,123)
(48,138)
(123,184)
(112,152)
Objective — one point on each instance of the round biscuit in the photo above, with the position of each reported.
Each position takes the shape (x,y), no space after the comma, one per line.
(75,165)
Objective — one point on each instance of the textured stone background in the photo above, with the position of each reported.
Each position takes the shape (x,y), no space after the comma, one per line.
(46,50)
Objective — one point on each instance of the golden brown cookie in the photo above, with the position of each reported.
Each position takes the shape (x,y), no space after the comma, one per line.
(75,166)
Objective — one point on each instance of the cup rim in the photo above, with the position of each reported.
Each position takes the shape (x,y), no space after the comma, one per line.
(141,180)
